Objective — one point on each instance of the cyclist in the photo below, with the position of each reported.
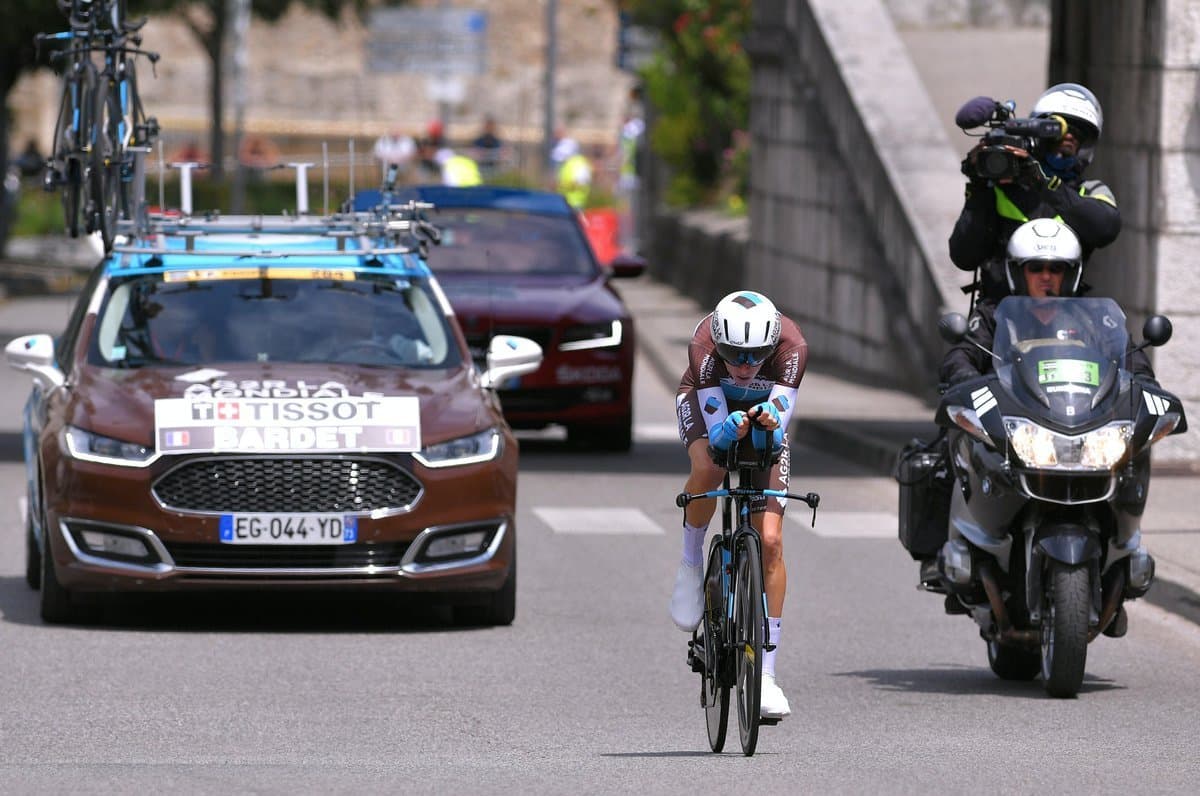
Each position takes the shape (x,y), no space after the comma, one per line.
(744,361)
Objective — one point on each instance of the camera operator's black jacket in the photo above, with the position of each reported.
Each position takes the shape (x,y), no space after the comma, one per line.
(965,360)
(981,233)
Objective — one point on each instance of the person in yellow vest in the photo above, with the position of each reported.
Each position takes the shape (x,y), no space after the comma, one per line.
(458,170)
(574,172)
(1051,185)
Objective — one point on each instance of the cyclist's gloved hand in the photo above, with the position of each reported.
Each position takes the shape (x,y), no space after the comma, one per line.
(728,432)
(759,435)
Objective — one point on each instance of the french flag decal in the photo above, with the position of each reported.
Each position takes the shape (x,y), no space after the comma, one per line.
(176,439)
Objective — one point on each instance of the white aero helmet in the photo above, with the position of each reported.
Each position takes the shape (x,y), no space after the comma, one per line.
(1046,241)
(1080,108)
(745,328)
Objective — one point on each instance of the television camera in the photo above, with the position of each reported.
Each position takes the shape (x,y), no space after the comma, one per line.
(1003,154)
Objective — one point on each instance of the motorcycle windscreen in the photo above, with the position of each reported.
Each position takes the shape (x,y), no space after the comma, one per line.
(1065,351)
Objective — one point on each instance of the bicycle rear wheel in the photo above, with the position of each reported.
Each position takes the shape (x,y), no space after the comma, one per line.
(748,639)
(69,133)
(104,177)
(714,688)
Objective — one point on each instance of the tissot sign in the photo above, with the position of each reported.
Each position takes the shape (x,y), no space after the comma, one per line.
(287,425)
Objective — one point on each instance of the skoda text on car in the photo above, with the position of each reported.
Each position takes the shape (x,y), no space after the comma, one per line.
(518,262)
(257,402)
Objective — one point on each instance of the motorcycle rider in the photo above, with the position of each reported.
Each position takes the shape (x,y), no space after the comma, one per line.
(745,361)
(1051,185)
(1044,259)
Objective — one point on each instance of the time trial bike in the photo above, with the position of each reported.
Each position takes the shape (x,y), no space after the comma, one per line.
(727,648)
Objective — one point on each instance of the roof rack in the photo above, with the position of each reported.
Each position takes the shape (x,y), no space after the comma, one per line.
(387,228)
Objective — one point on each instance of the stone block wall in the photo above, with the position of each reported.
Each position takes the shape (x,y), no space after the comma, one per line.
(1140,58)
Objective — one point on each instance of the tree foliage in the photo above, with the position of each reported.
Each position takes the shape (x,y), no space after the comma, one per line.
(699,85)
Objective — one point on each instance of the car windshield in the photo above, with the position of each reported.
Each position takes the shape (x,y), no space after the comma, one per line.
(175,319)
(509,242)
(1026,325)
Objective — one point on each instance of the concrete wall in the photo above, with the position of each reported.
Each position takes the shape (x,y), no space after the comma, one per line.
(1140,57)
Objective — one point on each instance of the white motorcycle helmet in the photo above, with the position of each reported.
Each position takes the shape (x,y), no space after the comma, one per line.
(1080,108)
(1048,241)
(745,328)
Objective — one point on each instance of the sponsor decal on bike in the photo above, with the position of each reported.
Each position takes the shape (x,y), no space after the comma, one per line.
(343,423)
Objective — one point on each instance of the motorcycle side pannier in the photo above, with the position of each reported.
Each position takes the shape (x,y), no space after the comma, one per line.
(923,472)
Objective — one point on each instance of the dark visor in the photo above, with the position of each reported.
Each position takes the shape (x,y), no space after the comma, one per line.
(744,356)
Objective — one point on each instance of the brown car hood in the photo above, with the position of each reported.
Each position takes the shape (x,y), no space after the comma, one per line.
(120,403)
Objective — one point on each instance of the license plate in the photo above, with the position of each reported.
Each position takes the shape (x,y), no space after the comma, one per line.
(288,529)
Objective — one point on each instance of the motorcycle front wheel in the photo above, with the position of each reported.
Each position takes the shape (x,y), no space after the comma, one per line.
(1065,628)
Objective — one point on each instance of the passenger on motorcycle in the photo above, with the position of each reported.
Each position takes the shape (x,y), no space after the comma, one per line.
(745,361)
(1052,186)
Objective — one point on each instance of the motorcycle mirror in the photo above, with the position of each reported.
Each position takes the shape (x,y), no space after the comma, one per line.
(1157,330)
(953,327)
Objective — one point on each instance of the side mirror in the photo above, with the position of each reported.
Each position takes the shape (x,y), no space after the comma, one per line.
(627,265)
(509,357)
(34,353)
(952,327)
(1157,330)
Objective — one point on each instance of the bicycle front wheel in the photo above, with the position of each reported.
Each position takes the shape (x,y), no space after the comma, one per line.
(714,689)
(748,635)
(104,176)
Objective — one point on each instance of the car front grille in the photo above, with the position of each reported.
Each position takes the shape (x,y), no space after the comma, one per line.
(555,399)
(228,556)
(279,484)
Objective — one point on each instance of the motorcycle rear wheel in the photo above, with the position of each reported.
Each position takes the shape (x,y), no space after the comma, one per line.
(1065,629)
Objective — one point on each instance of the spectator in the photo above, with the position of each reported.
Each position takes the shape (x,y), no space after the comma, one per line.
(574,172)
(488,147)
(30,162)
(395,150)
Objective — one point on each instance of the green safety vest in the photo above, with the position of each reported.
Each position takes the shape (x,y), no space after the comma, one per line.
(574,180)
(1006,209)
(461,171)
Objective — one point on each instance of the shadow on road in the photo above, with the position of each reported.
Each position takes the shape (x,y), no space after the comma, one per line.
(248,612)
(964,681)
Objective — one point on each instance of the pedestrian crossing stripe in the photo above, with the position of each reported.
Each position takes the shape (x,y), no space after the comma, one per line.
(609,521)
(984,401)
(1155,403)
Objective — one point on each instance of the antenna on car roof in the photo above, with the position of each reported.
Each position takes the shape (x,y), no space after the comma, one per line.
(301,186)
(185,185)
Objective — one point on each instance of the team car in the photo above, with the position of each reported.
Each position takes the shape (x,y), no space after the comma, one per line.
(250,402)
(518,262)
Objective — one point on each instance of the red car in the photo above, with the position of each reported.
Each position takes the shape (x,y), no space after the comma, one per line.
(515,261)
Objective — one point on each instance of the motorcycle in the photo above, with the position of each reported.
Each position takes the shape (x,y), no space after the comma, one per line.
(1049,455)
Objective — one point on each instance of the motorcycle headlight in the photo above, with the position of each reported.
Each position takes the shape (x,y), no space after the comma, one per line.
(482,446)
(91,447)
(592,335)
(1101,449)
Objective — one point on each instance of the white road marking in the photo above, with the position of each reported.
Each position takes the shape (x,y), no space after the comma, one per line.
(656,432)
(845,524)
(23,508)
(599,521)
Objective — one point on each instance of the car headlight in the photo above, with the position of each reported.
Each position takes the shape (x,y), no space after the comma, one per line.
(479,447)
(592,335)
(1101,449)
(91,447)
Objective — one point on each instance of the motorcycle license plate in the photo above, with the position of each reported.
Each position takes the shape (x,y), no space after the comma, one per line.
(288,529)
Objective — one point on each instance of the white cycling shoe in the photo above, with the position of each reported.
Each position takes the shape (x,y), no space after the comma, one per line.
(687,599)
(772,704)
